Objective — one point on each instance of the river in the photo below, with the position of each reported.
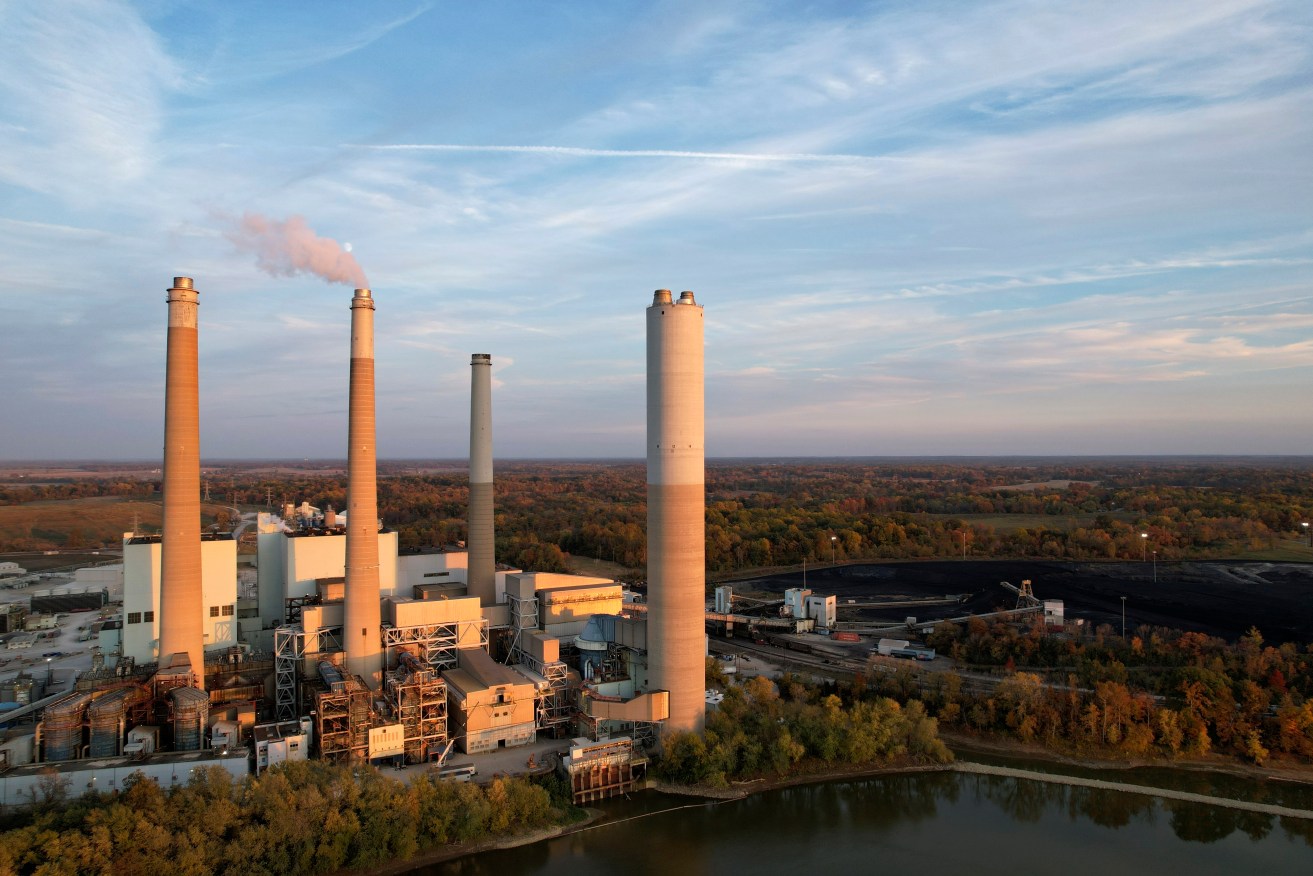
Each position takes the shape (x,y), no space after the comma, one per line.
(943,822)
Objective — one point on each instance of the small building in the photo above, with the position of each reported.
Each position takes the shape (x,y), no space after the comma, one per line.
(822,609)
(605,768)
(489,705)
(280,742)
(7,568)
(34,622)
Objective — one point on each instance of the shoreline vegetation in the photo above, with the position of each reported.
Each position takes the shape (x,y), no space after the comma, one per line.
(314,817)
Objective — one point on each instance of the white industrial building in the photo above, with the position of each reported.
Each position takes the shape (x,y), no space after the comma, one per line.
(141,594)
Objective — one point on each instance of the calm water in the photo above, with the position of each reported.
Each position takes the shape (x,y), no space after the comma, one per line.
(926,823)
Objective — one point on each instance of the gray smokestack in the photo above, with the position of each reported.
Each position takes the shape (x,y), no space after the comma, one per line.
(482,561)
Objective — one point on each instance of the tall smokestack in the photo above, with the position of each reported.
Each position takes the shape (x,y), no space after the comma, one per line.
(360,626)
(482,563)
(676,507)
(181,633)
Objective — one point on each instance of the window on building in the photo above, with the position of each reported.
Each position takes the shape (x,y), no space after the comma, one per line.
(134,617)
(148,616)
(214,611)
(228,610)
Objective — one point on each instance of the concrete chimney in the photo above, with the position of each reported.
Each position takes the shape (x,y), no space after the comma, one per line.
(181,633)
(361,620)
(482,562)
(676,507)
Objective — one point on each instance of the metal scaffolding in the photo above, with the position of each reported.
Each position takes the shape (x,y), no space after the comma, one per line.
(524,616)
(344,716)
(554,708)
(418,696)
(434,644)
(291,646)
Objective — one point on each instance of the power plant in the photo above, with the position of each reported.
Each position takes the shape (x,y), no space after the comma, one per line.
(357,651)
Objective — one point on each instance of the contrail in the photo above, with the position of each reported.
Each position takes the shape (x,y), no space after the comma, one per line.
(582,152)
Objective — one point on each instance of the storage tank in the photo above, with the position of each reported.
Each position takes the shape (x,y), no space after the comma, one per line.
(62,726)
(107,720)
(191,715)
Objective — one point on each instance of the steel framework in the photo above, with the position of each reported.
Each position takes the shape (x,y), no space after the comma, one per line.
(434,644)
(291,647)
(418,696)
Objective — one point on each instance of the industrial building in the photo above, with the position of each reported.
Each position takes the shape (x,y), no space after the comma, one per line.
(355,651)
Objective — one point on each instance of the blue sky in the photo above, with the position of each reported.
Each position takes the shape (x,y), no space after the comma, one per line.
(917,228)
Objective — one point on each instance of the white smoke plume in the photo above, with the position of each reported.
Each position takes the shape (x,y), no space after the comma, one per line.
(285,249)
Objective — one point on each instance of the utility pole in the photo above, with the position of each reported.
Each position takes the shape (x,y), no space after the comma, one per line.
(1123,618)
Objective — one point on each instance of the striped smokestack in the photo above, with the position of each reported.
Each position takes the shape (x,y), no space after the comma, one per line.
(482,563)
(181,604)
(361,620)
(676,507)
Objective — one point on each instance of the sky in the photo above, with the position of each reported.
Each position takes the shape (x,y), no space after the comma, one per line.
(917,228)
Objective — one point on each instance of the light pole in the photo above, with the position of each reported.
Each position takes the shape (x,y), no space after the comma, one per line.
(50,673)
(833,539)
(1155,566)
(1144,546)
(1308,532)
(1123,618)
(963,533)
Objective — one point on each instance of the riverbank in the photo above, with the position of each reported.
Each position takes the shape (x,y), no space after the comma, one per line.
(964,747)
(460,850)
(967,744)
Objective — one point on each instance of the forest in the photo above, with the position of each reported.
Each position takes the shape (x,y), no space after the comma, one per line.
(764,729)
(298,818)
(763,514)
(1161,693)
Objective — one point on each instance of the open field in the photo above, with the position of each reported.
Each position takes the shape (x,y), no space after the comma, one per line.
(77,523)
(600,568)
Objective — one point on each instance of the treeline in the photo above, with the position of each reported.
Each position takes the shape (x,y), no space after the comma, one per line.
(1165,692)
(761,514)
(756,731)
(298,818)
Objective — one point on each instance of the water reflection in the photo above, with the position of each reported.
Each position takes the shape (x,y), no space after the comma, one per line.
(929,822)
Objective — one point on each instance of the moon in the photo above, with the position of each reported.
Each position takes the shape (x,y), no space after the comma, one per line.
(347,247)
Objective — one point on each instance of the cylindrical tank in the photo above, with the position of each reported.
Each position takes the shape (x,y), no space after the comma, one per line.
(676,506)
(62,726)
(106,720)
(191,715)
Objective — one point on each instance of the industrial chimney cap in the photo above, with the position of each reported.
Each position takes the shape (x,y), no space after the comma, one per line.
(686,298)
(480,358)
(661,296)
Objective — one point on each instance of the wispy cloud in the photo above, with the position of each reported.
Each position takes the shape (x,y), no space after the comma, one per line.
(584,152)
